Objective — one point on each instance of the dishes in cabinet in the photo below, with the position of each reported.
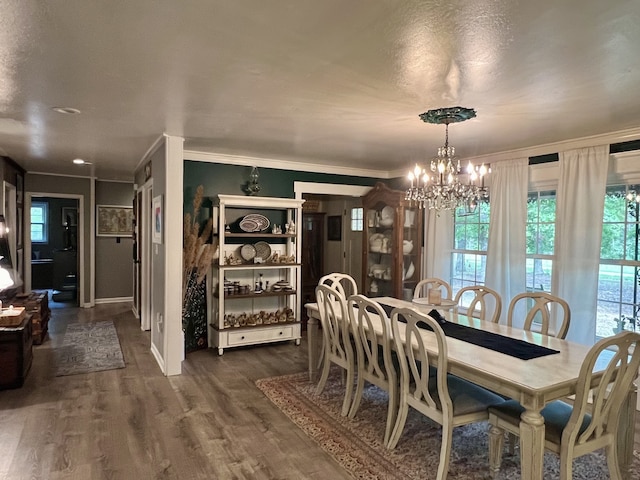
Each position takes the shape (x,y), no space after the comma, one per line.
(263,250)
(254,222)
(386,216)
(407,246)
(375,242)
(408,273)
(247,252)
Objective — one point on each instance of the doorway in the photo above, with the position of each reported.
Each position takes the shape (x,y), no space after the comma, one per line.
(343,255)
(53,247)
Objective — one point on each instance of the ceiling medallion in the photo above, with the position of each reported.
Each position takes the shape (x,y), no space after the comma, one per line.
(440,187)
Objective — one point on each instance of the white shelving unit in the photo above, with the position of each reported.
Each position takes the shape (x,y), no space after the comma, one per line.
(246,308)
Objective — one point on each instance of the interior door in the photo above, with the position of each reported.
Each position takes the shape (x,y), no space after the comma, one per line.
(352,243)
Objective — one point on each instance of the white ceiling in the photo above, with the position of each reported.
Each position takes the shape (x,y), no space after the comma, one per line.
(329,82)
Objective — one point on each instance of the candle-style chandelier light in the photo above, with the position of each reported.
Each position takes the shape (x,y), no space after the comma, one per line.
(439,186)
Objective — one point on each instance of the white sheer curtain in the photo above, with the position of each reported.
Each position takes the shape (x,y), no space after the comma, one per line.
(506,252)
(438,244)
(579,212)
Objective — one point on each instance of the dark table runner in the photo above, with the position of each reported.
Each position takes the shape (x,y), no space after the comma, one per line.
(493,341)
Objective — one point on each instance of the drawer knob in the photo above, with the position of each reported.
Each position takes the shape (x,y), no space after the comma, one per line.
(242,338)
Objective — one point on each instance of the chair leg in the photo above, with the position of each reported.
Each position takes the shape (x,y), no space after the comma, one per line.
(348,392)
(324,376)
(496,444)
(392,411)
(445,453)
(566,462)
(399,426)
(611,452)
(357,398)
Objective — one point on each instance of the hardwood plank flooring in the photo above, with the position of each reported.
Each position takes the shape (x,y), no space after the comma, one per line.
(211,422)
(135,423)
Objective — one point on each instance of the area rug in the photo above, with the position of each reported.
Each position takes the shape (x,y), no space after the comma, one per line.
(356,444)
(89,347)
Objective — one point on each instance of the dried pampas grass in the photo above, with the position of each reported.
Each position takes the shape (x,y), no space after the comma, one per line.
(198,255)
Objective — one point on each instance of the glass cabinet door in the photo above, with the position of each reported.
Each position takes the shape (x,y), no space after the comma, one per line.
(392,244)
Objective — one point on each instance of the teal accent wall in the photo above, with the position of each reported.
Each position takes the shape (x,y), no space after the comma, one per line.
(231,179)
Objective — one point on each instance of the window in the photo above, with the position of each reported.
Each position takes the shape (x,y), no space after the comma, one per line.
(471,238)
(619,273)
(541,234)
(39,220)
(357,222)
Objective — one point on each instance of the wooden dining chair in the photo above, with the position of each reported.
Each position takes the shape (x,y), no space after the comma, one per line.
(592,421)
(424,285)
(539,307)
(445,399)
(374,355)
(480,302)
(342,282)
(337,345)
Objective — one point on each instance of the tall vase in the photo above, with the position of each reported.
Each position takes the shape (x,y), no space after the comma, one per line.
(194,315)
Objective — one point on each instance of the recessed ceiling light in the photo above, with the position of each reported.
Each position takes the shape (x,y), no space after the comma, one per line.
(66,110)
(79,161)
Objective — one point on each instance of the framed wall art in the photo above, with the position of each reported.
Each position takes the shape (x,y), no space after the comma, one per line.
(114,221)
(157,219)
(69,217)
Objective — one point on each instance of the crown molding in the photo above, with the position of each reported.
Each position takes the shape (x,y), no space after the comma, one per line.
(563,146)
(281,164)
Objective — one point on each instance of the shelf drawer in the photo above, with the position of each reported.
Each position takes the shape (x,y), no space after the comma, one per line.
(259,335)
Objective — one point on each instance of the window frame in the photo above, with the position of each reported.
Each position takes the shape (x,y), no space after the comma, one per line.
(478,255)
(536,257)
(45,223)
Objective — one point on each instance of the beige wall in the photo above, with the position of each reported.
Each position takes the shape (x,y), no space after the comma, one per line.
(114,255)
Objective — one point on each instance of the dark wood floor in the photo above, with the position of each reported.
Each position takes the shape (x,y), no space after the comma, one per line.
(134,423)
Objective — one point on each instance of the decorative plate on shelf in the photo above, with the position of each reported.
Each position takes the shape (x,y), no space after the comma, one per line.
(263,250)
(249,226)
(247,252)
(254,222)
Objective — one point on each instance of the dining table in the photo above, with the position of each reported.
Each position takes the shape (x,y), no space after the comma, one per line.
(533,382)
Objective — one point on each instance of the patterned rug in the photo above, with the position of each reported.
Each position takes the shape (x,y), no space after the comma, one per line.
(357,444)
(88,347)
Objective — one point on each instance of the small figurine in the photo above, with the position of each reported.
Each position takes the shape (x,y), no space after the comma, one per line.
(291,228)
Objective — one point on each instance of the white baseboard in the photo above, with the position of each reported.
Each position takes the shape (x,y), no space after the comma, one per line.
(114,300)
(158,357)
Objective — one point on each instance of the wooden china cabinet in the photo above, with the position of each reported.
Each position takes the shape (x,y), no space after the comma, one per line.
(392,243)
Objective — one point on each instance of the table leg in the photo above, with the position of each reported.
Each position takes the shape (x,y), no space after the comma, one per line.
(312,338)
(531,445)
(626,431)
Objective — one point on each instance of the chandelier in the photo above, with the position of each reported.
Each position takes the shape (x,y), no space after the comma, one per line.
(439,186)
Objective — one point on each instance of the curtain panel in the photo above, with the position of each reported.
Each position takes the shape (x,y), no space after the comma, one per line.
(579,211)
(438,244)
(506,252)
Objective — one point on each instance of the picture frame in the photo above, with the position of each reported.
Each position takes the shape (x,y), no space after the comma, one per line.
(19,189)
(334,228)
(158,220)
(19,235)
(72,213)
(114,221)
